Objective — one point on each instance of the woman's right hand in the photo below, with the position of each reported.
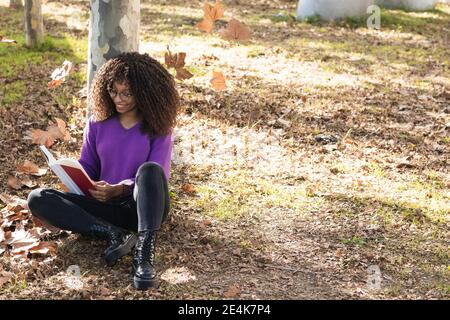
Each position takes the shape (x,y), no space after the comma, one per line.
(105,191)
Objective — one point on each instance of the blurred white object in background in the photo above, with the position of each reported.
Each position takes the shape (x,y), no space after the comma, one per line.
(332,9)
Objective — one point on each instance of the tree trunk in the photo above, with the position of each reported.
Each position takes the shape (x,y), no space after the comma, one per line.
(15,4)
(114,29)
(34,23)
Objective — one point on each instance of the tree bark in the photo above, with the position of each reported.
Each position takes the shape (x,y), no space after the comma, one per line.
(34,23)
(114,29)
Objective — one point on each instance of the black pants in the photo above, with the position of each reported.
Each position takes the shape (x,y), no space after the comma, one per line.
(145,210)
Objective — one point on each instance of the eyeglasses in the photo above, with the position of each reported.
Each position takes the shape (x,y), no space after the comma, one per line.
(124,96)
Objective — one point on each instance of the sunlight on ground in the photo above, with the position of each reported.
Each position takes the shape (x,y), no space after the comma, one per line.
(267,185)
(178,275)
(235,62)
(208,144)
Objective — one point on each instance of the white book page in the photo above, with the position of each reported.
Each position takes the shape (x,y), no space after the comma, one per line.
(62,175)
(48,156)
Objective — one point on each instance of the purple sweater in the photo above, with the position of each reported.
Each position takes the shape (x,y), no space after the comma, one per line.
(113,154)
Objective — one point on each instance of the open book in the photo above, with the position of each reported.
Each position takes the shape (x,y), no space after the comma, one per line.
(70,172)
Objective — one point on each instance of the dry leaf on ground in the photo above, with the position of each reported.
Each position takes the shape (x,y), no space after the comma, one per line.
(5,40)
(59,75)
(236,30)
(218,81)
(29,167)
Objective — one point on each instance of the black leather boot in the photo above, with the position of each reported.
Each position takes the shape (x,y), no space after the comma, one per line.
(120,242)
(144,274)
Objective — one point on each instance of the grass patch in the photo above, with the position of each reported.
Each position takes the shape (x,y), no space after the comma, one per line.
(54,50)
(46,57)
(198,70)
(256,51)
(354,241)
(419,212)
(223,204)
(385,216)
(444,289)
(12,92)
(16,285)
(270,16)
(283,16)
(376,169)
(400,20)
(239,194)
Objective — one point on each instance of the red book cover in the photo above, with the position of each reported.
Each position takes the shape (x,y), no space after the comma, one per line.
(79,178)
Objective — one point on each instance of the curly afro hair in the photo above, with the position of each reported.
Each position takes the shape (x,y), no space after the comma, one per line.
(152,86)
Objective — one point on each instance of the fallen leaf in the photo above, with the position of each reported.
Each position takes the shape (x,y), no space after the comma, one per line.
(232,292)
(21,237)
(188,188)
(177,61)
(17,215)
(59,131)
(206,223)
(334,170)
(39,224)
(20,256)
(104,291)
(18,183)
(183,74)
(25,242)
(211,14)
(59,75)
(218,81)
(236,30)
(174,60)
(39,136)
(43,248)
(5,40)
(13,203)
(54,131)
(205,25)
(14,183)
(215,12)
(26,181)
(29,167)
(5,277)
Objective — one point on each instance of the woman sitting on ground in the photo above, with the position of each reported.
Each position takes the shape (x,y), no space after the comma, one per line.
(127,148)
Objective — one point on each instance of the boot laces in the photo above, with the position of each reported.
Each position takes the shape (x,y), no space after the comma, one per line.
(146,248)
(115,237)
(107,233)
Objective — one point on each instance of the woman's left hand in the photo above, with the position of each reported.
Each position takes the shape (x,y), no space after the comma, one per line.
(105,191)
